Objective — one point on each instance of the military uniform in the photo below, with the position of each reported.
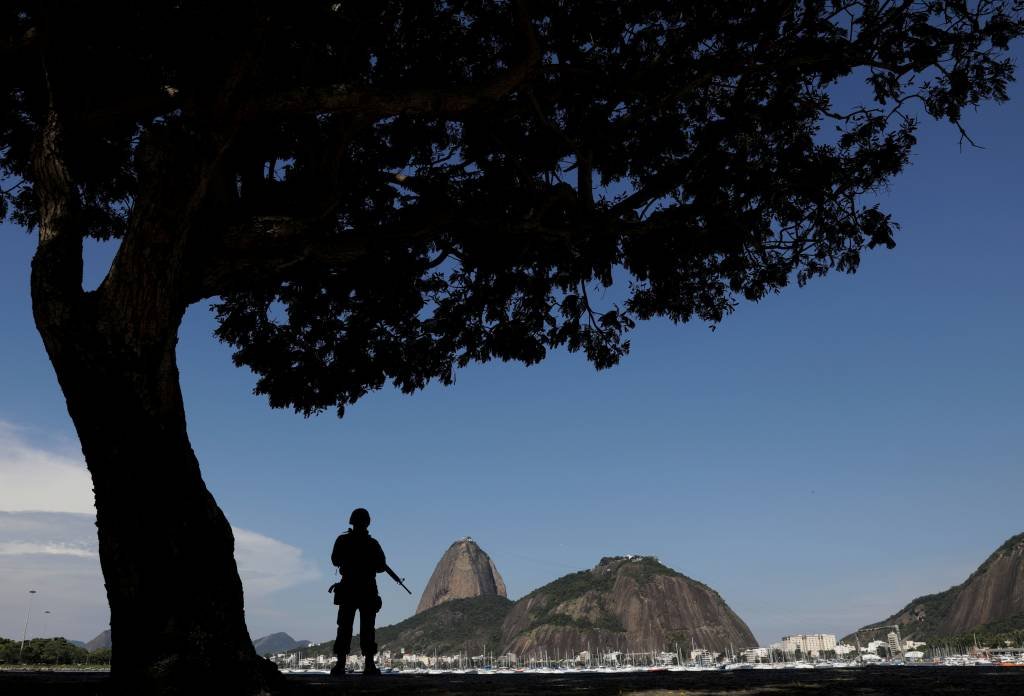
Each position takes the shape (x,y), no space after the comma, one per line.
(360,558)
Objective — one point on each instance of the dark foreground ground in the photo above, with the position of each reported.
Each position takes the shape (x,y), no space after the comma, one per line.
(911,681)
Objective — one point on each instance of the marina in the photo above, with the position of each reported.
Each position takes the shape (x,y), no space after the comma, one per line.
(655,663)
(867,681)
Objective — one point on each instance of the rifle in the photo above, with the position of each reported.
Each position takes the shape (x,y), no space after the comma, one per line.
(394,576)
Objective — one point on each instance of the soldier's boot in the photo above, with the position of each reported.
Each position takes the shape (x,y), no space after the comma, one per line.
(370,669)
(338,670)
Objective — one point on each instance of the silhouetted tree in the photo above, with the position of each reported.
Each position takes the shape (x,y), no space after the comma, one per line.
(384,191)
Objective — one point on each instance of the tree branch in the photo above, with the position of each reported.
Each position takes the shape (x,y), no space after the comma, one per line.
(12,44)
(57,264)
(273,248)
(268,249)
(381,103)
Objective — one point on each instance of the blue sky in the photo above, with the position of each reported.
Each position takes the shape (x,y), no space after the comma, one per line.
(820,459)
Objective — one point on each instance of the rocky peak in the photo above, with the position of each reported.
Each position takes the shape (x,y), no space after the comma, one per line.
(464,571)
(1014,546)
(611,563)
(276,643)
(100,642)
(632,602)
(991,599)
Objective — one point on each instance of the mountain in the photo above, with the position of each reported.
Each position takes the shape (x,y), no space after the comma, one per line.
(625,603)
(464,571)
(990,601)
(99,642)
(459,625)
(277,642)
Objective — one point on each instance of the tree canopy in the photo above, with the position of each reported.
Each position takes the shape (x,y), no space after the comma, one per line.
(386,191)
(48,651)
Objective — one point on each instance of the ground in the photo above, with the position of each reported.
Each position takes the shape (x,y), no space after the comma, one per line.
(916,681)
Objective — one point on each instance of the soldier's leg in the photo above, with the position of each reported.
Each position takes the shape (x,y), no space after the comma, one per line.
(343,641)
(367,626)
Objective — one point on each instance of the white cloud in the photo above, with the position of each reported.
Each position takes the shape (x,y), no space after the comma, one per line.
(18,548)
(58,529)
(267,565)
(36,479)
(48,542)
(54,554)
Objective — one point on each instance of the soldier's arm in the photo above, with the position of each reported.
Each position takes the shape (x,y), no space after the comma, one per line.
(381,561)
(338,554)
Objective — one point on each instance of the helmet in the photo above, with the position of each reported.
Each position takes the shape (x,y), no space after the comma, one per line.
(360,517)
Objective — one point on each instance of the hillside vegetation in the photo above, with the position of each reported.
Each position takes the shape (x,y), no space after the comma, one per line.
(989,603)
(459,625)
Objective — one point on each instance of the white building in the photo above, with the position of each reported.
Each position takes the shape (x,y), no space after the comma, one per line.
(612,658)
(812,644)
(893,641)
(414,660)
(666,658)
(755,654)
(704,658)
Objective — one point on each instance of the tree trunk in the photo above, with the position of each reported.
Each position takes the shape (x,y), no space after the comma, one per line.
(166,549)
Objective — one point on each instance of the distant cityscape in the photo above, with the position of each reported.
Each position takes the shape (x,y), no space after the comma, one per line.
(792,651)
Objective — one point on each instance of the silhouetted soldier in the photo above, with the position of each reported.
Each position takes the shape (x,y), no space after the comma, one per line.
(359,558)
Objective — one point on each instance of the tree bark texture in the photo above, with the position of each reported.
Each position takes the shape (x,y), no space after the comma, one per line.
(166,549)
